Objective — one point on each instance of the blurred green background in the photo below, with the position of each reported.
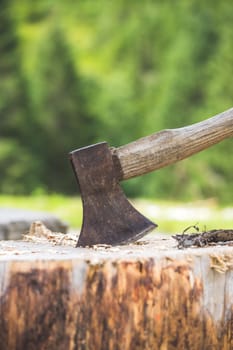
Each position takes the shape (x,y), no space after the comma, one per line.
(75,73)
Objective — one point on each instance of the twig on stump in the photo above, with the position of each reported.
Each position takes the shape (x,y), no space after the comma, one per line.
(205,238)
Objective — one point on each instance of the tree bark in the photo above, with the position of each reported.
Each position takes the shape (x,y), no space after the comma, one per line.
(148,295)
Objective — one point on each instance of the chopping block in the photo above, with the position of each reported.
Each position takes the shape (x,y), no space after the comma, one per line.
(144,295)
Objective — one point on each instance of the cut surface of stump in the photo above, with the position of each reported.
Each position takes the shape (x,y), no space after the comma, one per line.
(147,295)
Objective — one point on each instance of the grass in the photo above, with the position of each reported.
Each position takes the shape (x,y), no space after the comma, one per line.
(175,217)
(172,217)
(68,209)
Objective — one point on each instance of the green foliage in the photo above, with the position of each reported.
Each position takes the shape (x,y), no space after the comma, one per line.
(78,73)
(12,93)
(16,166)
(60,111)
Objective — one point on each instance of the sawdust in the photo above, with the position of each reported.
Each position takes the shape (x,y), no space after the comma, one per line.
(221,263)
(39,233)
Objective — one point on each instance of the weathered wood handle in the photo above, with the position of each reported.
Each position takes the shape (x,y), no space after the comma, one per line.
(171,145)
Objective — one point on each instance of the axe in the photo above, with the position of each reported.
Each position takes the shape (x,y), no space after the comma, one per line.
(108,217)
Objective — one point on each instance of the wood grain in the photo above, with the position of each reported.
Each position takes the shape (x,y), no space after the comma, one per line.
(169,146)
(142,297)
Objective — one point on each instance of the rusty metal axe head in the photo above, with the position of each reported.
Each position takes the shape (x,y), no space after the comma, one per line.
(108,217)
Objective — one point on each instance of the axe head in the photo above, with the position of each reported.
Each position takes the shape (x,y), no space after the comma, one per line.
(108,217)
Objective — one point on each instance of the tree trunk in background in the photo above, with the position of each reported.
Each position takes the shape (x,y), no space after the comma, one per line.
(140,296)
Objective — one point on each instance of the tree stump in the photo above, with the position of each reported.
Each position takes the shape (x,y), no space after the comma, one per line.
(148,295)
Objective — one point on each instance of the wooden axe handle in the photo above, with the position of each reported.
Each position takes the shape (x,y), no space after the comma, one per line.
(171,145)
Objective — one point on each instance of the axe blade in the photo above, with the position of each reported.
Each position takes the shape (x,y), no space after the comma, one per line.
(108,217)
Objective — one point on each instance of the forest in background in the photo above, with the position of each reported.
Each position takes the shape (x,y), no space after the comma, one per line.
(76,73)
